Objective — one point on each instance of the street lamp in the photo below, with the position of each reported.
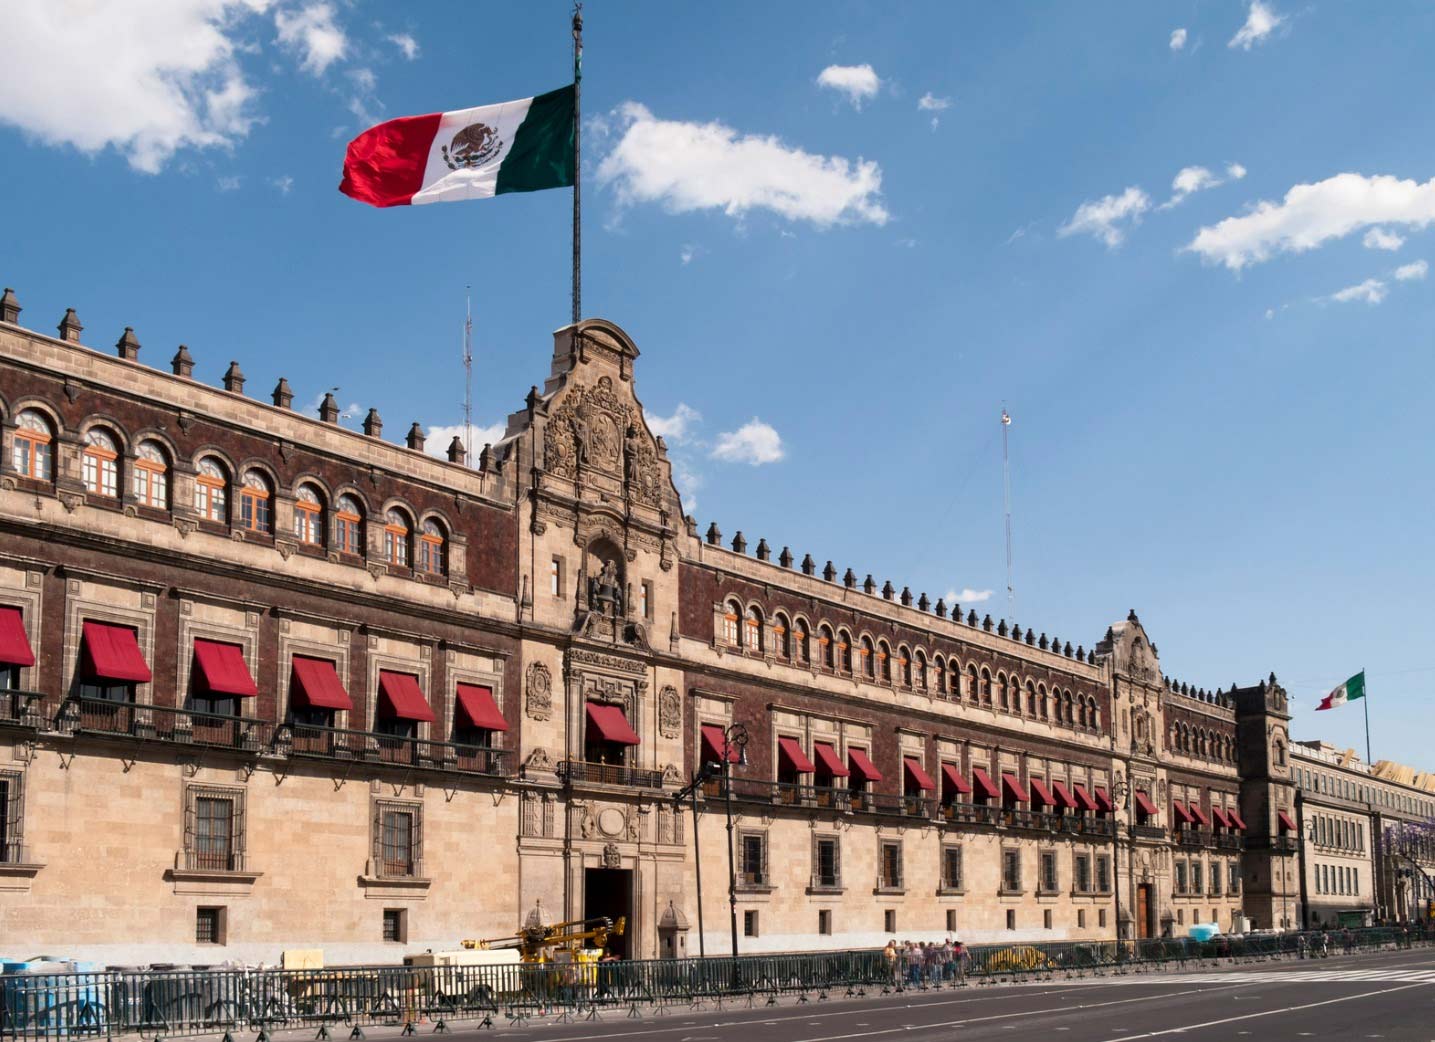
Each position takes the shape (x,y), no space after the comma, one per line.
(734,736)
(1120,795)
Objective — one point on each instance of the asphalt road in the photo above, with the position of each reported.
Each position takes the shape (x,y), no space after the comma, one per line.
(1387,995)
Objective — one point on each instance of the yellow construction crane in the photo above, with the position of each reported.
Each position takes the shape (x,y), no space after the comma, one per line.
(538,943)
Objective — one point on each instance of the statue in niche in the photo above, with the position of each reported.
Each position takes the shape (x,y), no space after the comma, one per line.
(605,592)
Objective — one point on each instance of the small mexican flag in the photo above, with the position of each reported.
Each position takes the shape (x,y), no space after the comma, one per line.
(517,146)
(1348,692)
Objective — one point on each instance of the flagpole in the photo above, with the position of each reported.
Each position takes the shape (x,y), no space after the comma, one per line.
(1365,704)
(577,160)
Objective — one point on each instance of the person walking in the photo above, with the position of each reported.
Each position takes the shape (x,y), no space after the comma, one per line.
(890,954)
(960,956)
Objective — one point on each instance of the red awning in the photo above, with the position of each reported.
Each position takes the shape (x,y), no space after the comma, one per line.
(1220,816)
(914,770)
(791,750)
(1180,812)
(1237,820)
(401,699)
(1011,786)
(222,669)
(952,775)
(113,653)
(1064,796)
(713,742)
(14,643)
(861,766)
(1144,802)
(1084,798)
(1287,825)
(1103,800)
(982,782)
(831,762)
(1040,793)
(317,685)
(475,701)
(1199,815)
(612,724)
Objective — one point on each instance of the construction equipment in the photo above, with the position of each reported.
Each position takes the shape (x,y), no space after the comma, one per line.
(558,942)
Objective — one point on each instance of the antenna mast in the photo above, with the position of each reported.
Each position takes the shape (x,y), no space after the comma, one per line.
(468,374)
(1006,493)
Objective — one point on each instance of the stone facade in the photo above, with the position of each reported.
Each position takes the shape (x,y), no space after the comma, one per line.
(559,578)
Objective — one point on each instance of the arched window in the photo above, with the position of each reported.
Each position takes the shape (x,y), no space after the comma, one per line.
(731,612)
(255,505)
(99,465)
(802,642)
(1003,691)
(973,687)
(869,659)
(939,667)
(782,635)
(752,630)
(986,687)
(433,547)
(1044,703)
(396,538)
(920,676)
(1067,709)
(844,646)
(954,678)
(1031,698)
(349,526)
(211,485)
(829,646)
(1095,714)
(309,516)
(884,661)
(151,476)
(34,453)
(904,660)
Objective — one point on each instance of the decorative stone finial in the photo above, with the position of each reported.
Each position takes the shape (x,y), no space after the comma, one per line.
(415,438)
(941,607)
(971,617)
(70,328)
(739,544)
(764,552)
(456,452)
(1042,642)
(923,603)
(283,394)
(182,363)
(785,558)
(1001,628)
(234,378)
(10,307)
(485,461)
(329,410)
(987,623)
(869,584)
(830,572)
(888,590)
(809,566)
(128,345)
(906,596)
(714,534)
(849,578)
(373,424)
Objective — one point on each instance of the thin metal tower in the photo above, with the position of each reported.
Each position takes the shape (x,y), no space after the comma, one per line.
(1006,493)
(467,373)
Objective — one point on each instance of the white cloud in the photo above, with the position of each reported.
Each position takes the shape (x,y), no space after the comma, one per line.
(229,184)
(1261,21)
(313,34)
(1372,291)
(676,428)
(688,481)
(437,439)
(406,44)
(1382,239)
(145,79)
(704,166)
(1312,214)
(1235,171)
(687,253)
(1102,216)
(929,102)
(1413,271)
(284,183)
(1178,39)
(967,595)
(754,443)
(1192,179)
(858,82)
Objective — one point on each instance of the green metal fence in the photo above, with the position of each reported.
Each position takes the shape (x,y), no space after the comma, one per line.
(111,1003)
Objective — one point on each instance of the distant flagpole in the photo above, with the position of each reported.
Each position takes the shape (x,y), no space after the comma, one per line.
(577,161)
(468,374)
(1365,704)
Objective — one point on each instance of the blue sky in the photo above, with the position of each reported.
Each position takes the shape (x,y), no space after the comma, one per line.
(1222,393)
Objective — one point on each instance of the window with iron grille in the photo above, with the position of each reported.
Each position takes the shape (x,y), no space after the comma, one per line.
(891,878)
(749,924)
(951,920)
(209,925)
(1011,870)
(1081,869)
(1048,871)
(1233,877)
(12,819)
(1197,870)
(889,920)
(1046,919)
(824,922)
(213,828)
(952,868)
(398,838)
(826,862)
(1101,918)
(396,924)
(1011,918)
(1180,877)
(753,850)
(1103,873)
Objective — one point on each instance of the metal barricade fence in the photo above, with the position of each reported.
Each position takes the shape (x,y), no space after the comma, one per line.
(44,1005)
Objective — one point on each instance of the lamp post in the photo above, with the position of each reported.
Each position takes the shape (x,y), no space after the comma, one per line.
(734,736)
(705,771)
(1120,794)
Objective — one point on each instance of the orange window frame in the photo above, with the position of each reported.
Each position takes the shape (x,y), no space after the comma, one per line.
(346,532)
(149,477)
(254,509)
(211,492)
(29,444)
(396,545)
(431,554)
(101,472)
(309,523)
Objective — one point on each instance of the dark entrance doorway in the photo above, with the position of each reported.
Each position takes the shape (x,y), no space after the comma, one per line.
(1145,919)
(609,891)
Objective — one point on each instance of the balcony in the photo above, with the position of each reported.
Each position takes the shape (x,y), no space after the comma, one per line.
(21,709)
(1074,825)
(306,741)
(1194,838)
(581,772)
(1148,832)
(1228,841)
(1028,820)
(1285,844)
(149,723)
(970,813)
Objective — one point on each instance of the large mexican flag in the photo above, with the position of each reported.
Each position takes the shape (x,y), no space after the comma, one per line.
(1348,692)
(517,146)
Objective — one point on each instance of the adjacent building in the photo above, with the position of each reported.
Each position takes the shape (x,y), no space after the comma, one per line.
(267,683)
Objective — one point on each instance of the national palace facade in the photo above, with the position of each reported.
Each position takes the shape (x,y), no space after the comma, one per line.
(269,683)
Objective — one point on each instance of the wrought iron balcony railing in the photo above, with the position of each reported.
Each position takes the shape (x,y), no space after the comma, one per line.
(21,709)
(1228,840)
(581,771)
(150,723)
(214,860)
(1148,831)
(970,813)
(1194,838)
(333,743)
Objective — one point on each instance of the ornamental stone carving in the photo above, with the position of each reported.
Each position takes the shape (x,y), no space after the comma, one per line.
(539,701)
(596,427)
(670,712)
(611,857)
